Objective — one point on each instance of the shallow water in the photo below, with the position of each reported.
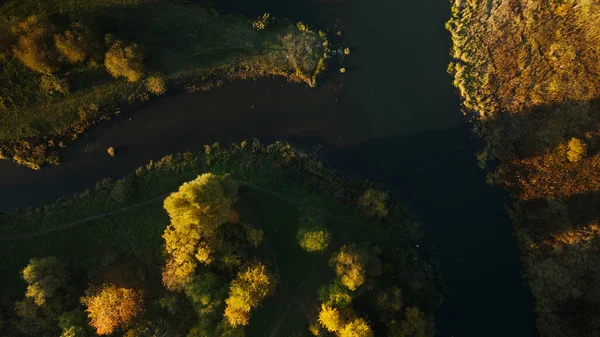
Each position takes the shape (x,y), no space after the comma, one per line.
(393,117)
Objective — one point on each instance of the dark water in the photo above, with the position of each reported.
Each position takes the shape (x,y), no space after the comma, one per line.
(393,117)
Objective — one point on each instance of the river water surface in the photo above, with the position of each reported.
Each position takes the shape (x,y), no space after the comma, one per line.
(392,117)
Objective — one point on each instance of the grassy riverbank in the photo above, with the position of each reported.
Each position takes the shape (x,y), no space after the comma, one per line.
(54,57)
(528,74)
(278,187)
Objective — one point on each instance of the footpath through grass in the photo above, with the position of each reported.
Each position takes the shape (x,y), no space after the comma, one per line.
(185,46)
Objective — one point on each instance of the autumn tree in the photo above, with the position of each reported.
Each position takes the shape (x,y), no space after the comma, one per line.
(197,211)
(44,277)
(35,46)
(353,264)
(74,44)
(110,307)
(373,203)
(358,327)
(330,318)
(577,149)
(313,236)
(156,85)
(252,284)
(125,60)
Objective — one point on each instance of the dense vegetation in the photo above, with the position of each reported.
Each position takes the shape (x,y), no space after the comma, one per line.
(245,239)
(66,64)
(528,72)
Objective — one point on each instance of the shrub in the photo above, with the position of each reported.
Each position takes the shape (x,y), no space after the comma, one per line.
(125,61)
(156,85)
(74,44)
(35,47)
(51,85)
(262,22)
(111,151)
(313,238)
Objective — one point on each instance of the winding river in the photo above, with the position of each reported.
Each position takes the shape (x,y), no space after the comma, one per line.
(392,117)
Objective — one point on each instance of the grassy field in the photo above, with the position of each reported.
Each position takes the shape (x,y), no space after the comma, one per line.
(190,47)
(528,72)
(278,186)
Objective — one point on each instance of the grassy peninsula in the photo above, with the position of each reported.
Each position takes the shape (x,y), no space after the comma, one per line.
(239,240)
(528,72)
(67,64)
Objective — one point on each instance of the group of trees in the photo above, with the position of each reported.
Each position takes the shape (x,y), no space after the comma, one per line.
(51,305)
(206,230)
(42,47)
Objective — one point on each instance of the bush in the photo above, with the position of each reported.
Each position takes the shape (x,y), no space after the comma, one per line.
(53,85)
(111,151)
(74,44)
(313,237)
(125,61)
(35,47)
(156,85)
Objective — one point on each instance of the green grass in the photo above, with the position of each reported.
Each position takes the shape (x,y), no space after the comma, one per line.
(185,44)
(279,186)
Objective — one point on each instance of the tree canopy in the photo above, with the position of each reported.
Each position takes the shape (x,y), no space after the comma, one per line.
(125,60)
(111,307)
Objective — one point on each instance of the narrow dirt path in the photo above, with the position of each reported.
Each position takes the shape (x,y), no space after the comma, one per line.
(81,221)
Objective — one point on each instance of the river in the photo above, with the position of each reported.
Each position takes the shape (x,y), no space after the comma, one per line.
(392,117)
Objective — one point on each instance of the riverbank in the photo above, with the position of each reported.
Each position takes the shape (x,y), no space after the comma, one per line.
(179,46)
(528,74)
(279,187)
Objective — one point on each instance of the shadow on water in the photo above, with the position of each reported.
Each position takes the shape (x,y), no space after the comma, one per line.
(394,118)
(436,175)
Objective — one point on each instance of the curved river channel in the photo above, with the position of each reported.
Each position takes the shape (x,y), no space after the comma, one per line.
(392,117)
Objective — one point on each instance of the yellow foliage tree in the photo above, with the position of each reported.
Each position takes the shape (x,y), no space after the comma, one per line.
(156,85)
(577,149)
(197,210)
(123,60)
(112,308)
(247,291)
(356,328)
(35,47)
(330,318)
(350,264)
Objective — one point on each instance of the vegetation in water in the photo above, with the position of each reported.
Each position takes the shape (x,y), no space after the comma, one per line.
(528,73)
(239,240)
(67,64)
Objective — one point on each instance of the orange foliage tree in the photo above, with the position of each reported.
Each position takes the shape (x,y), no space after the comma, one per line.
(112,307)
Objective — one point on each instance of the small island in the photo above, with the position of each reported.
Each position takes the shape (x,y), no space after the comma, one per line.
(67,64)
(244,239)
(528,73)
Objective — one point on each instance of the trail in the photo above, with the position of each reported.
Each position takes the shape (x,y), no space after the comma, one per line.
(81,221)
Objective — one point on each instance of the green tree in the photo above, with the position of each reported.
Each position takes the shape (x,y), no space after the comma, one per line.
(373,203)
(335,294)
(123,60)
(577,149)
(35,47)
(252,284)
(44,277)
